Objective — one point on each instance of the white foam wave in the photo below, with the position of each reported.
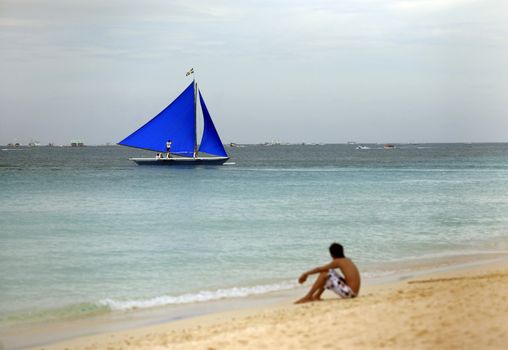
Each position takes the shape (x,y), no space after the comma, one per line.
(235,292)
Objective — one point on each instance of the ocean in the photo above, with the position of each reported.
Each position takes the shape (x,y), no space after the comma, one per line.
(85,231)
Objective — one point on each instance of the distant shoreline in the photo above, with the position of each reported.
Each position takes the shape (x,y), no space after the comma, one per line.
(6,146)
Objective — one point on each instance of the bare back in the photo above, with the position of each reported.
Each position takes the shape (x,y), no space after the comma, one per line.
(350,272)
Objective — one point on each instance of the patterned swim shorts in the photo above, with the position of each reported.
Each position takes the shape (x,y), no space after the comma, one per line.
(337,283)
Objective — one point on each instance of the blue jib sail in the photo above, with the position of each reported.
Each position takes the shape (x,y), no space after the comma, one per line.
(210,143)
(176,122)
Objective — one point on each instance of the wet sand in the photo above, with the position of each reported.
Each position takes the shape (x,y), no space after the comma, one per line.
(458,309)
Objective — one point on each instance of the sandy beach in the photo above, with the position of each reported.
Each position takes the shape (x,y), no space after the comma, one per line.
(461,309)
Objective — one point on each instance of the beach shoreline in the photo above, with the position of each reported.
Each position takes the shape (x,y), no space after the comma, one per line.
(125,326)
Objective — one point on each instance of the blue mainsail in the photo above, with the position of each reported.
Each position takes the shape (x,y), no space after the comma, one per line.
(210,142)
(177,122)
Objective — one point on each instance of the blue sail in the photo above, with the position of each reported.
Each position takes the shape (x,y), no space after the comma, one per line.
(210,142)
(177,122)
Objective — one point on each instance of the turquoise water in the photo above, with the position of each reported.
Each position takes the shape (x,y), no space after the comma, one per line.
(85,231)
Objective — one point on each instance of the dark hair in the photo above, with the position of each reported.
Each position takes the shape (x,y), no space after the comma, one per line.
(336,251)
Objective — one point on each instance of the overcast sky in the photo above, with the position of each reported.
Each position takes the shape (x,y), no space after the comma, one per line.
(290,70)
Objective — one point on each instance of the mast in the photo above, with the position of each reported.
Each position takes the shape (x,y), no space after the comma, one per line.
(195,119)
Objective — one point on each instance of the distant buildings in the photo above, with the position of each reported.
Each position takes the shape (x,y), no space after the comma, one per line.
(77,143)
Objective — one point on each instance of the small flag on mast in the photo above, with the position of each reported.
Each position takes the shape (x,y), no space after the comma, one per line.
(190,72)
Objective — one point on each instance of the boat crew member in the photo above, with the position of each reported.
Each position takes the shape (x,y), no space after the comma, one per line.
(168,147)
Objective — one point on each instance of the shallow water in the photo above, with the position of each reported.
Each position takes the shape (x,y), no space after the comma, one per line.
(84,230)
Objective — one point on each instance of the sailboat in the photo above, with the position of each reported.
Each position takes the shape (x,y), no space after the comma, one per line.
(176,125)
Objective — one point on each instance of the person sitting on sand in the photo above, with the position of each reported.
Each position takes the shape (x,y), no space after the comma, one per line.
(346,287)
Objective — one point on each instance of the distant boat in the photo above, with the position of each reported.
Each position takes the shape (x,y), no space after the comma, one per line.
(388,146)
(362,147)
(236,145)
(175,127)
(34,143)
(272,143)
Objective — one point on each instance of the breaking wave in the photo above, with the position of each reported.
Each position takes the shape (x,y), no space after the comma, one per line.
(235,292)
